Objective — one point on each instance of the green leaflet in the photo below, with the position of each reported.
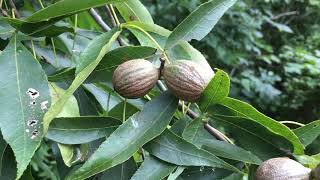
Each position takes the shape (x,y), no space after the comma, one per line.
(134,10)
(80,130)
(246,110)
(308,133)
(200,22)
(66,8)
(217,89)
(25,98)
(153,169)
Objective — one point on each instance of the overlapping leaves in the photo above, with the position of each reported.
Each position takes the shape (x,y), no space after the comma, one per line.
(130,136)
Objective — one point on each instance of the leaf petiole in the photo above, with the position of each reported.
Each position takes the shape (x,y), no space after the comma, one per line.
(125,25)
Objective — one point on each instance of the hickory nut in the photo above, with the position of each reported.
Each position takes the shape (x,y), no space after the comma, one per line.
(282,169)
(186,79)
(135,78)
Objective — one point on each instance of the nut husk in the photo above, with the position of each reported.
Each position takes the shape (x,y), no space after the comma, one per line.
(135,78)
(186,79)
(282,168)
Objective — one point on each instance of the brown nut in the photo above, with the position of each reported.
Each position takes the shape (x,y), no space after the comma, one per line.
(282,169)
(135,78)
(186,79)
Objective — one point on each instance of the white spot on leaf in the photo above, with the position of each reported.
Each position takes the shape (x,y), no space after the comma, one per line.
(32,103)
(32,122)
(44,105)
(135,124)
(35,134)
(34,94)
(201,168)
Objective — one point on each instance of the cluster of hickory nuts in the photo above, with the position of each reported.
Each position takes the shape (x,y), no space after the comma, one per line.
(135,78)
(187,80)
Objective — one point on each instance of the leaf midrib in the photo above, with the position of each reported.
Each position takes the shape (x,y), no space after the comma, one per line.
(248,132)
(183,152)
(20,99)
(91,129)
(213,96)
(288,134)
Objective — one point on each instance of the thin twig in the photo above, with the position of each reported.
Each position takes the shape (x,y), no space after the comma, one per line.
(114,24)
(13,6)
(104,25)
(99,20)
(214,132)
(41,4)
(6,6)
(285,14)
(4,12)
(114,14)
(124,110)
(110,15)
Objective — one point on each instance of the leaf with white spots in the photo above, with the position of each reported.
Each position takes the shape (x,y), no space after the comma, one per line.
(23,87)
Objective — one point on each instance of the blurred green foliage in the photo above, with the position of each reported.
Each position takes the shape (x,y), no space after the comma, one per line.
(271,49)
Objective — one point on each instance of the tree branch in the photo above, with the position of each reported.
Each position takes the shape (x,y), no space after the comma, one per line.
(99,20)
(214,132)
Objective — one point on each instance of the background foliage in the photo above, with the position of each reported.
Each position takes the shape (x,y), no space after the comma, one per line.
(269,47)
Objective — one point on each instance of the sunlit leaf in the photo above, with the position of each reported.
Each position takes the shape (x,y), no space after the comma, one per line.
(200,22)
(217,89)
